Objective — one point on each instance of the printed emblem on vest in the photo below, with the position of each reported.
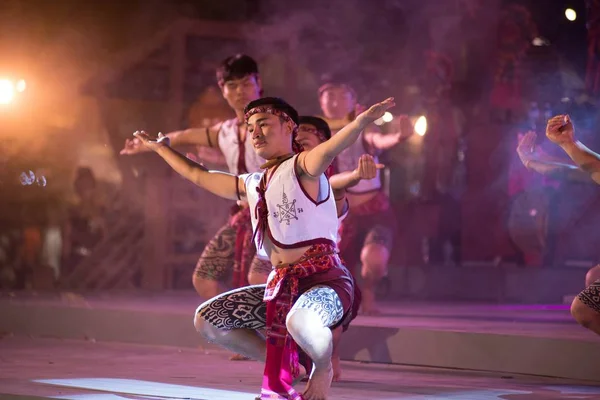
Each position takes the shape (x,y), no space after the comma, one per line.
(287,211)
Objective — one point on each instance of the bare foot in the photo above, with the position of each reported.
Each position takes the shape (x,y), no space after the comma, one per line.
(239,357)
(368,306)
(337,368)
(319,384)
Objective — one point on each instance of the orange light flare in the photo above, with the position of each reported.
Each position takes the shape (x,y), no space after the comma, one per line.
(10,90)
(7,91)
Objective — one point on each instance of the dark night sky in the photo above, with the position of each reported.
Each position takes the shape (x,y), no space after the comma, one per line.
(569,38)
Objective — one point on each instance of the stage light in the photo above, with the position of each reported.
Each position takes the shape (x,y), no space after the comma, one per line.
(387,117)
(570,14)
(7,91)
(421,126)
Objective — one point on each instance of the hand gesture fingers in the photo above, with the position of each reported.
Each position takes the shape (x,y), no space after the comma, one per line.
(367,168)
(376,111)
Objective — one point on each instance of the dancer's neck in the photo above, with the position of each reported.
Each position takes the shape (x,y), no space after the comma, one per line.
(276,160)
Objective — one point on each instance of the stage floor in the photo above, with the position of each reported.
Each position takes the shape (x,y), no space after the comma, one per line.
(540,340)
(84,370)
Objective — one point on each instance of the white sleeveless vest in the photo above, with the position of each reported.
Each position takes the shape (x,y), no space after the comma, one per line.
(228,139)
(347,160)
(294,219)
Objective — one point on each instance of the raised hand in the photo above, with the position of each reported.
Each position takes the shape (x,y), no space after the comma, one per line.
(403,128)
(376,111)
(150,143)
(560,130)
(133,146)
(367,167)
(526,148)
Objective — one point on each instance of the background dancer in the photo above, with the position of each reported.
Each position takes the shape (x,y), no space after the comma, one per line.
(585,308)
(368,232)
(231,250)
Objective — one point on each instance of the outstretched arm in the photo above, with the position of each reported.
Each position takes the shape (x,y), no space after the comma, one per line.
(219,183)
(536,160)
(559,170)
(316,161)
(560,130)
(207,137)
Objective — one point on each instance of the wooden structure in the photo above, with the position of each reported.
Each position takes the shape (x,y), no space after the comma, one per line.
(167,221)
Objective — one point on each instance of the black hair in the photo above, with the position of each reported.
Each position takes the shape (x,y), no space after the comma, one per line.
(318,123)
(236,67)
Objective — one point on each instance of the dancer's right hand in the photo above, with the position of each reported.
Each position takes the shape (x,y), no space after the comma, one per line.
(376,111)
(367,167)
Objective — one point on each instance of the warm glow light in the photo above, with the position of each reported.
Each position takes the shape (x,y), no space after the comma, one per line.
(387,117)
(570,14)
(421,126)
(21,85)
(7,91)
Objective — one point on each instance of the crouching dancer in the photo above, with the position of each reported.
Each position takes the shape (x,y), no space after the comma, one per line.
(295,224)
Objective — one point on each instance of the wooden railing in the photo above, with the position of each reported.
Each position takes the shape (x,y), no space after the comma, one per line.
(115,262)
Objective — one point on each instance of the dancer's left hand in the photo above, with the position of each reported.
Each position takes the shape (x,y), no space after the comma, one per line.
(526,148)
(152,144)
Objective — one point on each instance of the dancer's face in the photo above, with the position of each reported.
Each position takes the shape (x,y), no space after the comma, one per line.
(337,102)
(240,92)
(271,135)
(308,136)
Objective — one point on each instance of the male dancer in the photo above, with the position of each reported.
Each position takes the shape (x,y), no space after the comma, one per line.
(586,306)
(309,292)
(231,249)
(367,234)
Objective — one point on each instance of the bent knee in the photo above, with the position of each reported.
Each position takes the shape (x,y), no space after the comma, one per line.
(375,258)
(298,320)
(582,313)
(206,329)
(206,288)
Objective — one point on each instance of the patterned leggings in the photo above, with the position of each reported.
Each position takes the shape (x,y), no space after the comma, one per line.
(217,260)
(324,301)
(245,308)
(590,296)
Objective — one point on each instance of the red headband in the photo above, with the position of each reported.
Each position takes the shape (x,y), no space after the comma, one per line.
(270,110)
